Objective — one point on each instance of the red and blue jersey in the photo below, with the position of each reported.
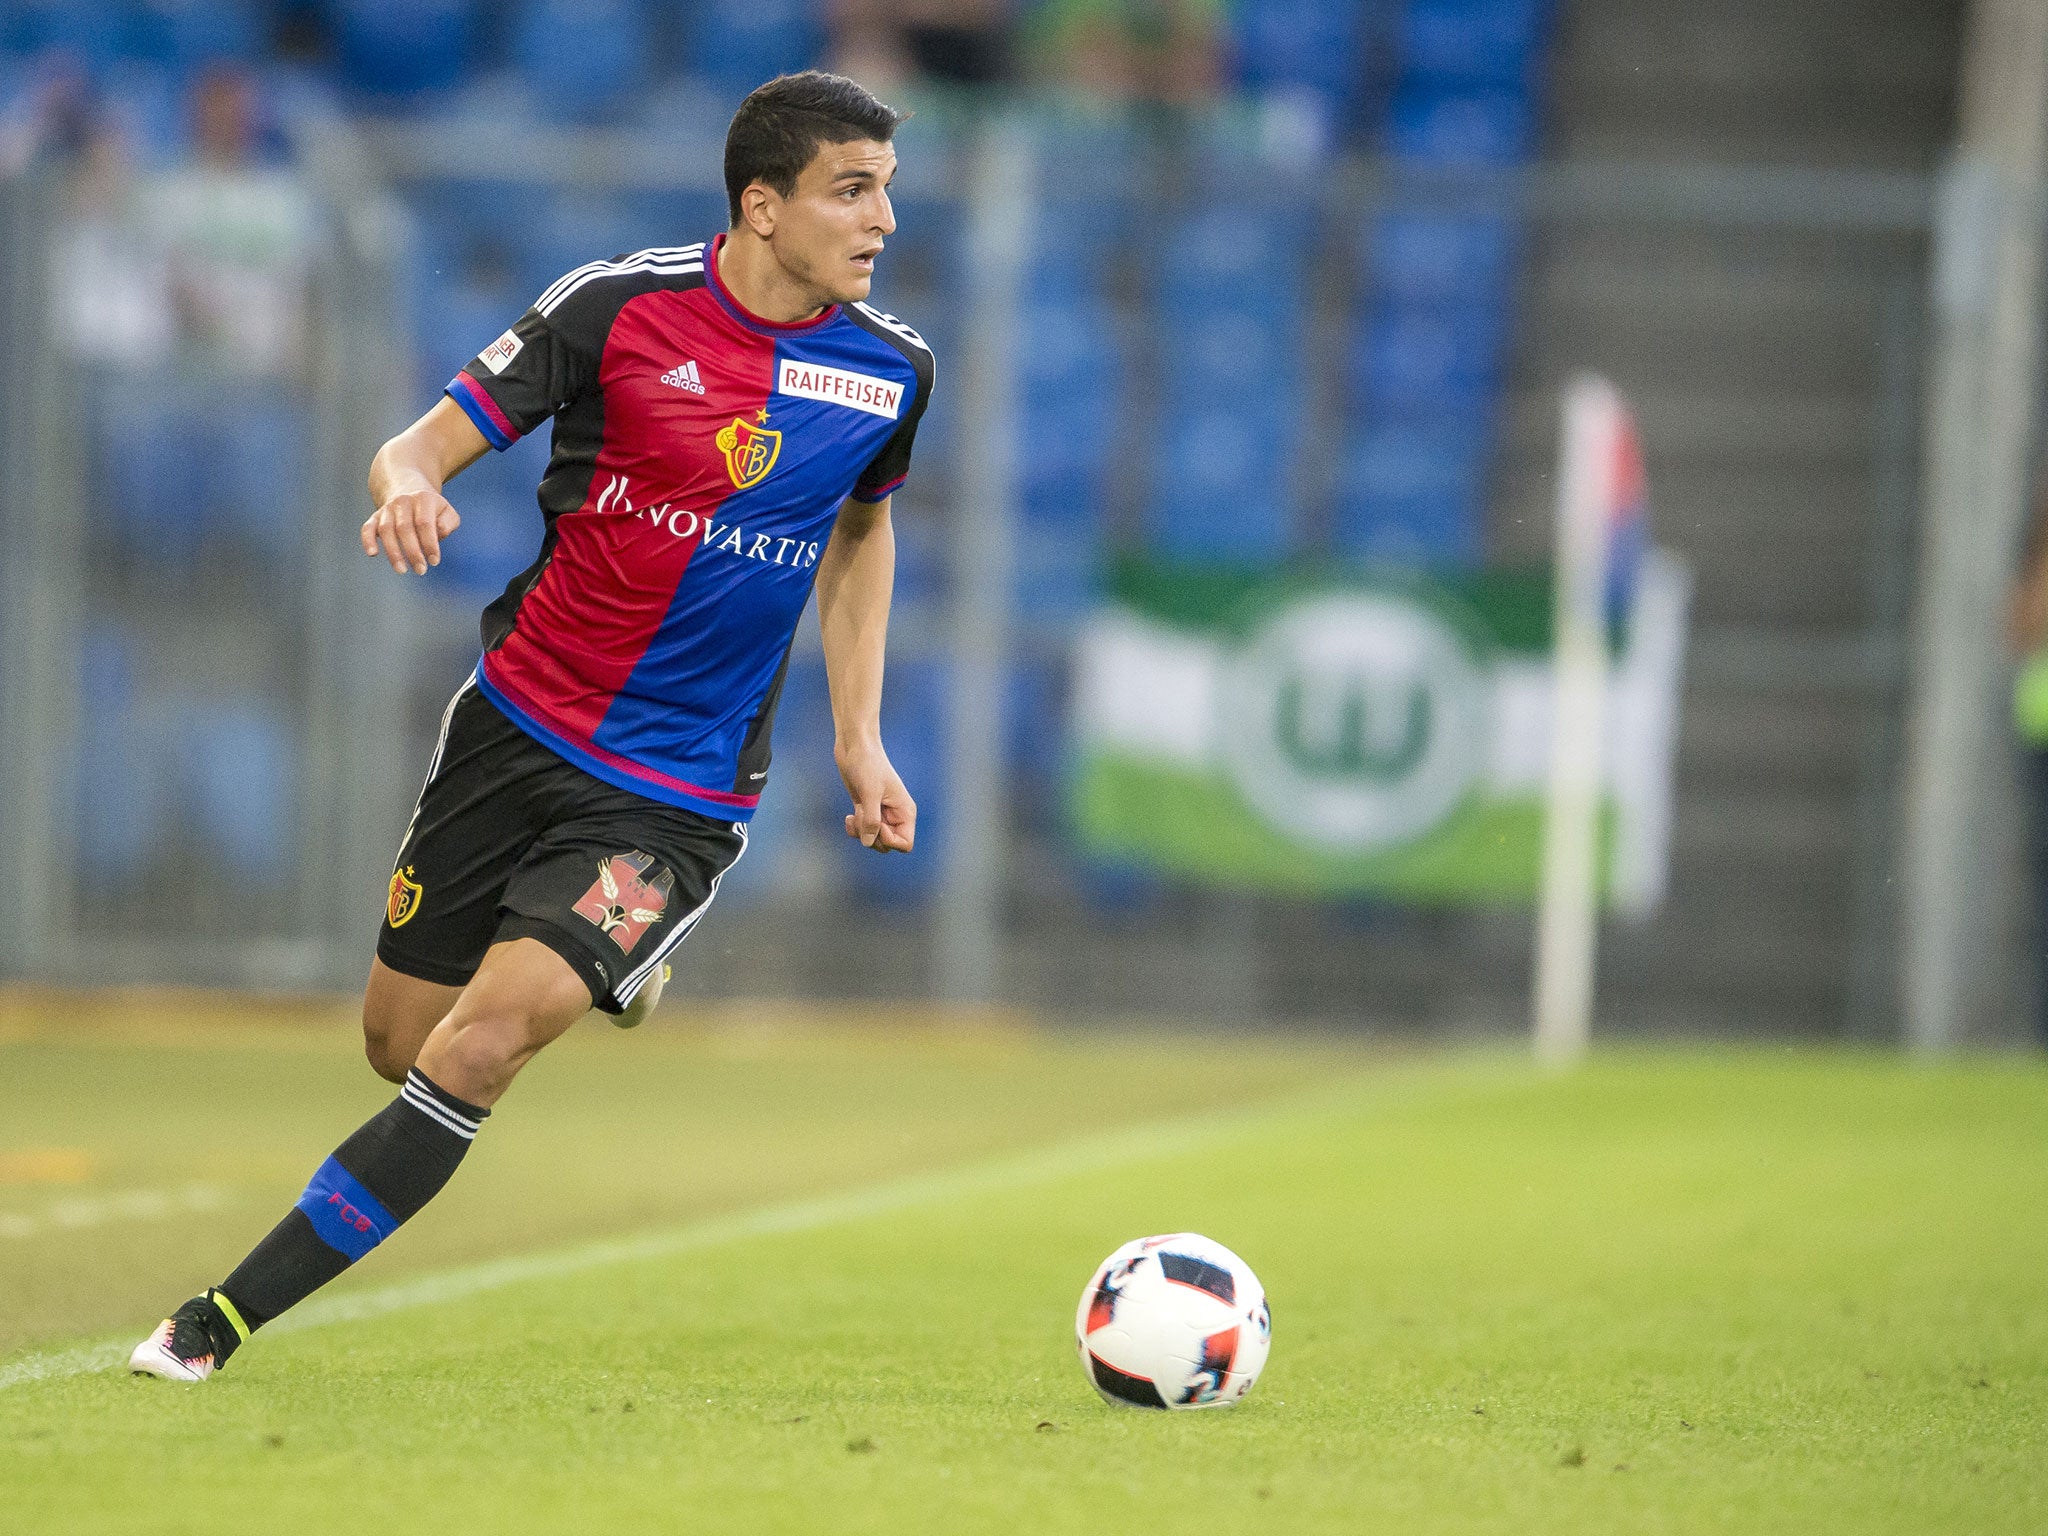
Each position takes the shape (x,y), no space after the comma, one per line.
(700,457)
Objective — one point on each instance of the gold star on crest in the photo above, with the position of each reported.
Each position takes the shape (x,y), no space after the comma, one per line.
(762,414)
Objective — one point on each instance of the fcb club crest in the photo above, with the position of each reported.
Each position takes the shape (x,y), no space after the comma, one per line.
(750,450)
(403,899)
(622,901)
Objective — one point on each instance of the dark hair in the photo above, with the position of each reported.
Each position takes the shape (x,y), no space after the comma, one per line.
(778,129)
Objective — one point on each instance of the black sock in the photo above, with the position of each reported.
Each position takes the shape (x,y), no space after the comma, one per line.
(374,1181)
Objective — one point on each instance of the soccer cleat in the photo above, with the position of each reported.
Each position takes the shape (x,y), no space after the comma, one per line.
(636,1012)
(192,1343)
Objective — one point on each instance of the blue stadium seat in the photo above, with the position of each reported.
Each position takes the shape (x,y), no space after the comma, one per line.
(922,577)
(1037,740)
(913,727)
(1058,567)
(116,786)
(1439,256)
(501,521)
(403,47)
(1316,45)
(1468,128)
(1246,257)
(187,33)
(94,35)
(1069,385)
(675,218)
(258,446)
(146,473)
(583,58)
(236,767)
(566,230)
(1412,497)
(1411,359)
(1222,486)
(1472,41)
(147,105)
(736,44)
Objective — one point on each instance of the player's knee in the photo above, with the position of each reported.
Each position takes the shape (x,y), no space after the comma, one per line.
(388,1059)
(488,1046)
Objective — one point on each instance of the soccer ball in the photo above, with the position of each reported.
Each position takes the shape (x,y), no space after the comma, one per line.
(1174,1322)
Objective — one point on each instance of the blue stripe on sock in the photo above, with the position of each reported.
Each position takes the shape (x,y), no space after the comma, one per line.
(347,1217)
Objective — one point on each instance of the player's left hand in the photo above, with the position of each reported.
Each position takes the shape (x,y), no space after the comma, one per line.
(884,817)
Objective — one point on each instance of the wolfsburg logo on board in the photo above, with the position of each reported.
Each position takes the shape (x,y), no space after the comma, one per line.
(1388,738)
(1354,720)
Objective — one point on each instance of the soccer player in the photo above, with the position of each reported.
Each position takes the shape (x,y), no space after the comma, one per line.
(730,420)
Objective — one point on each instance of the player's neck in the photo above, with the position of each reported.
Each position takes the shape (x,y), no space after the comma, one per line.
(752,275)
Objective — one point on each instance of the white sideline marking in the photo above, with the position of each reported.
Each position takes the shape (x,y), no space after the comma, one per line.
(124,1205)
(1088,1154)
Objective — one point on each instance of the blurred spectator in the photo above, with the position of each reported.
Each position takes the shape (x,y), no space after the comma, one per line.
(1158,52)
(204,262)
(112,287)
(52,116)
(234,232)
(887,43)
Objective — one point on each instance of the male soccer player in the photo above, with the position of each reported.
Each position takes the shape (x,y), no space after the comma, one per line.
(730,422)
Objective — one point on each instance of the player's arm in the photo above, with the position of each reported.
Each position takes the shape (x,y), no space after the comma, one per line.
(856,575)
(406,478)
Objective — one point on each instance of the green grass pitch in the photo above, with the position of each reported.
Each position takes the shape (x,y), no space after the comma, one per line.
(744,1279)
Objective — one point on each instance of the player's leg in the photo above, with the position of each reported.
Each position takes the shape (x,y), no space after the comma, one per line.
(522,997)
(399,1012)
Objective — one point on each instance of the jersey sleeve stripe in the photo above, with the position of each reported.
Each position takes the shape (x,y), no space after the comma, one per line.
(596,268)
(880,492)
(652,263)
(480,408)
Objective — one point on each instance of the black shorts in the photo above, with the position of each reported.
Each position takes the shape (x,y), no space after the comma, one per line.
(511,841)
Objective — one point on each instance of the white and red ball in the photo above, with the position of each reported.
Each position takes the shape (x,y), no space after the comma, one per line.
(1174,1322)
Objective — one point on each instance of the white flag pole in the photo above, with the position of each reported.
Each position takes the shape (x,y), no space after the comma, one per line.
(1567,918)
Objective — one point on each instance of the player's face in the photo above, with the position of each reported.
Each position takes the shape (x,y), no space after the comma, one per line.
(830,230)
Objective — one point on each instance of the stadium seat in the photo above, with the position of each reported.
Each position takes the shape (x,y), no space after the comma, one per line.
(583,58)
(501,522)
(259,447)
(235,768)
(1412,255)
(115,785)
(1247,258)
(1460,128)
(736,44)
(1069,384)
(188,33)
(93,35)
(1058,566)
(1412,497)
(146,103)
(913,726)
(1495,42)
(1222,487)
(1412,359)
(567,229)
(146,475)
(1314,45)
(404,47)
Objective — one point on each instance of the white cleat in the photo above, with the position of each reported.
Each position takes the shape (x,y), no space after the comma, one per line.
(636,1011)
(160,1354)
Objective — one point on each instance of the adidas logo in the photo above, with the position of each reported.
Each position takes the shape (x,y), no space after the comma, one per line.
(684,376)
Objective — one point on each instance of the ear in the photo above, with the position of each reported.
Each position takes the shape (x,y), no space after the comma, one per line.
(759,206)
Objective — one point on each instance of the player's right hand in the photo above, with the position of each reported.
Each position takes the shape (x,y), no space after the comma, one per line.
(408,530)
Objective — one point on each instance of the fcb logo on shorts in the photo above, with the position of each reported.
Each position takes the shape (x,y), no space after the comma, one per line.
(623,902)
(403,899)
(750,451)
